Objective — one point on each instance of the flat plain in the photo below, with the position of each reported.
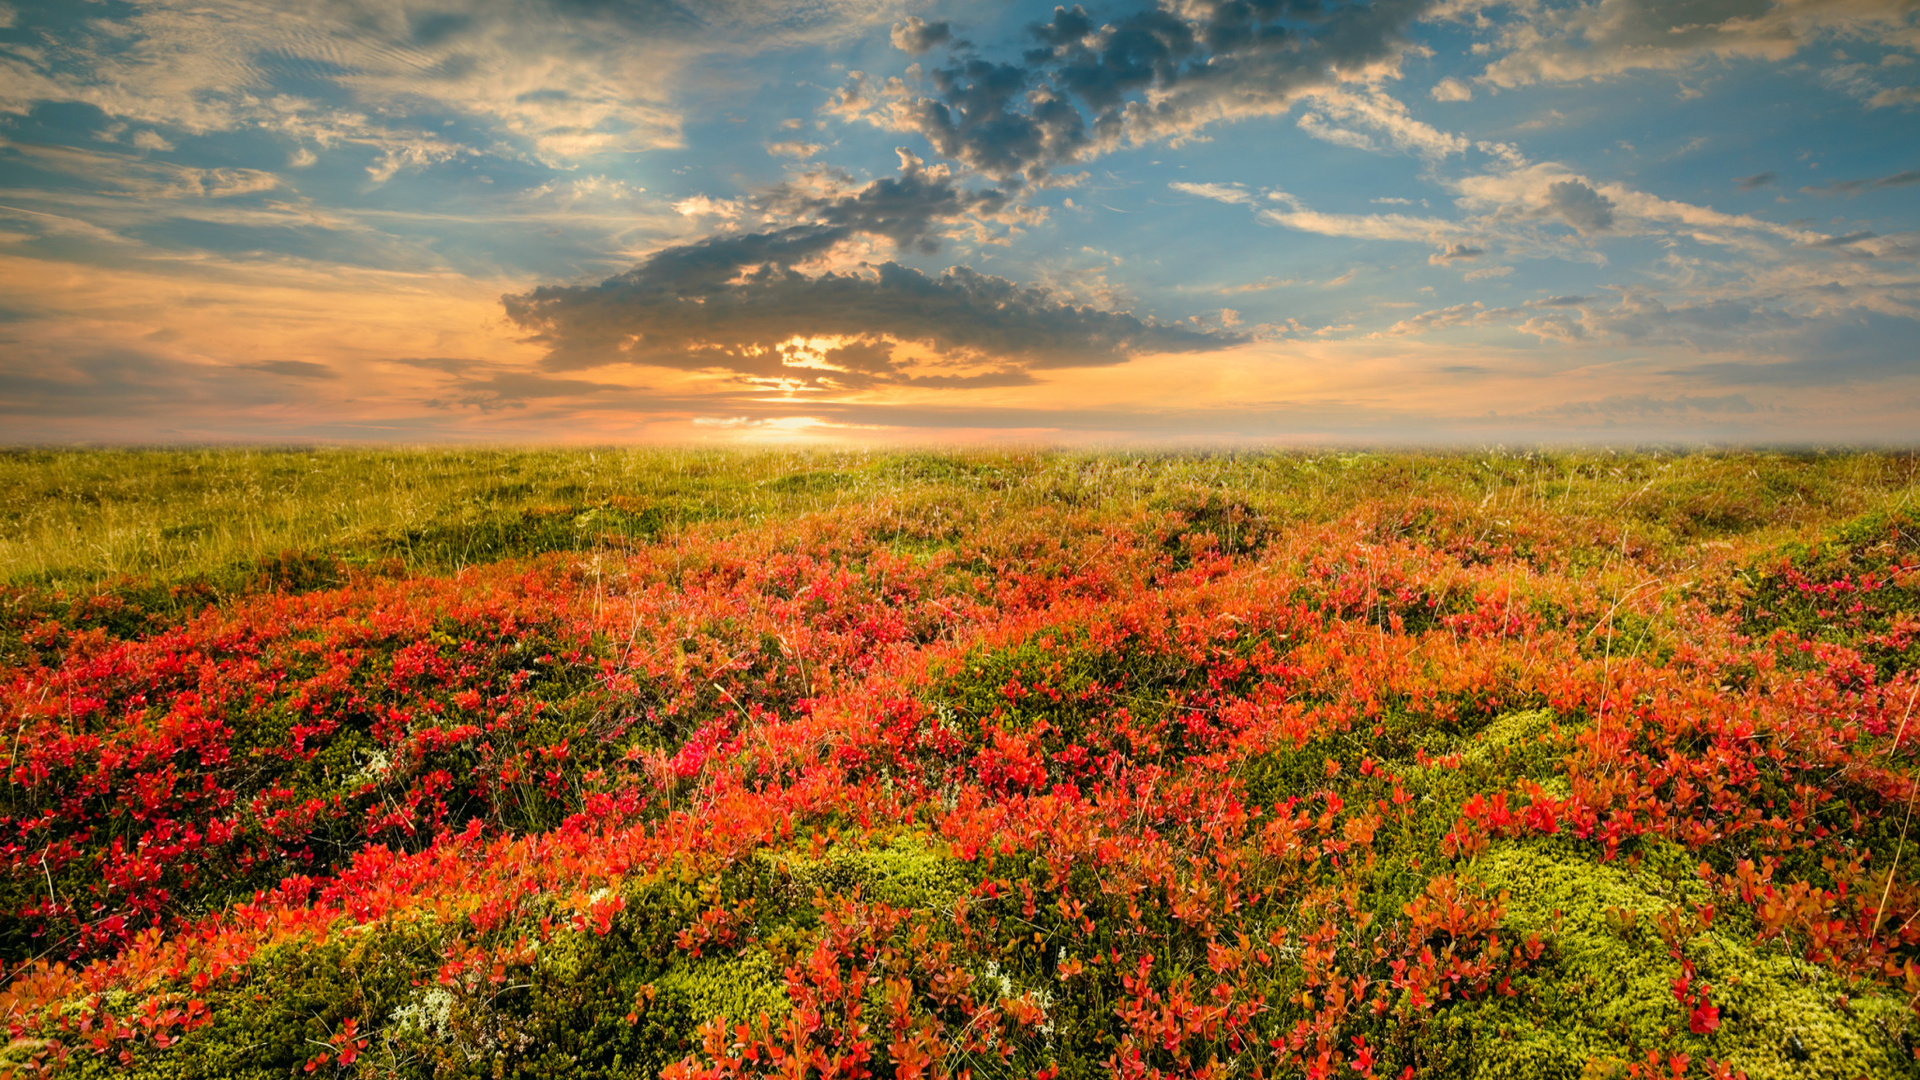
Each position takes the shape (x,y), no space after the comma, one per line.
(638,763)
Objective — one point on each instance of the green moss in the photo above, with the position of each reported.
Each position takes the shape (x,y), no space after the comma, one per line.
(1603,994)
(1511,731)
(906,873)
(298,996)
(739,988)
(1519,744)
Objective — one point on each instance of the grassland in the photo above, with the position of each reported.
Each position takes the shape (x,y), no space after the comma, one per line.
(72,519)
(642,763)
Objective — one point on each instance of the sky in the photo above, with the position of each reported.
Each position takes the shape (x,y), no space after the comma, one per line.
(1296,222)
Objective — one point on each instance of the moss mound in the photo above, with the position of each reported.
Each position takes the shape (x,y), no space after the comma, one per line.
(1608,987)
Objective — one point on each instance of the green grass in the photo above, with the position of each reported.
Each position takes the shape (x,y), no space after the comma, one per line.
(72,519)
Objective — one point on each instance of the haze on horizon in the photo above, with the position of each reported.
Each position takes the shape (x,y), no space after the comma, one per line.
(1300,221)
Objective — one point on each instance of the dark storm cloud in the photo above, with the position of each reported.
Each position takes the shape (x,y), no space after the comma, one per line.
(1088,86)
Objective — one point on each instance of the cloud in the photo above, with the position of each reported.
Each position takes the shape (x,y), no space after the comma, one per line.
(1513,211)
(1863,83)
(1473,314)
(1844,240)
(1376,110)
(1451,89)
(518,389)
(737,304)
(1455,253)
(916,35)
(916,210)
(1580,206)
(1505,197)
(1294,214)
(1639,317)
(1504,208)
(767,306)
(697,206)
(1226,193)
(1636,317)
(839,330)
(1756,181)
(1652,405)
(1855,187)
(561,79)
(115,383)
(1261,286)
(1846,349)
(1163,72)
(138,177)
(794,148)
(1608,38)
(294,369)
(451,365)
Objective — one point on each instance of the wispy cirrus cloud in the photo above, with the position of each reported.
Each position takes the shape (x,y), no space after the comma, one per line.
(561,78)
(133,177)
(1370,119)
(1854,187)
(1600,39)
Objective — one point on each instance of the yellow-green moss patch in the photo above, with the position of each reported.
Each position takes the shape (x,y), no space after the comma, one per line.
(1605,995)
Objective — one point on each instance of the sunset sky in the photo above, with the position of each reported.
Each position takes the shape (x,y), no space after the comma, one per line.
(857,220)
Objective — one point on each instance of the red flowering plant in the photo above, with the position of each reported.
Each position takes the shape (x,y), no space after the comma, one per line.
(1150,790)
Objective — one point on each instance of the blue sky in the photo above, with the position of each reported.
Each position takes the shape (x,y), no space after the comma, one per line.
(858,220)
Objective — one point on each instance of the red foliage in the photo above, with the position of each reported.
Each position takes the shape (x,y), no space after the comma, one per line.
(549,731)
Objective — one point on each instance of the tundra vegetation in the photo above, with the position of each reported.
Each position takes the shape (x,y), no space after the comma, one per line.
(701,765)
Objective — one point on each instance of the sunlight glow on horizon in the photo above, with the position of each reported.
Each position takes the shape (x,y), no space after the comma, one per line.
(874,221)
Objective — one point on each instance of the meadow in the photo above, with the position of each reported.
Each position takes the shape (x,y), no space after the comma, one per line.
(701,764)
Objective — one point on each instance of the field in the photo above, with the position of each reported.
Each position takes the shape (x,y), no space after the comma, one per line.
(689,764)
